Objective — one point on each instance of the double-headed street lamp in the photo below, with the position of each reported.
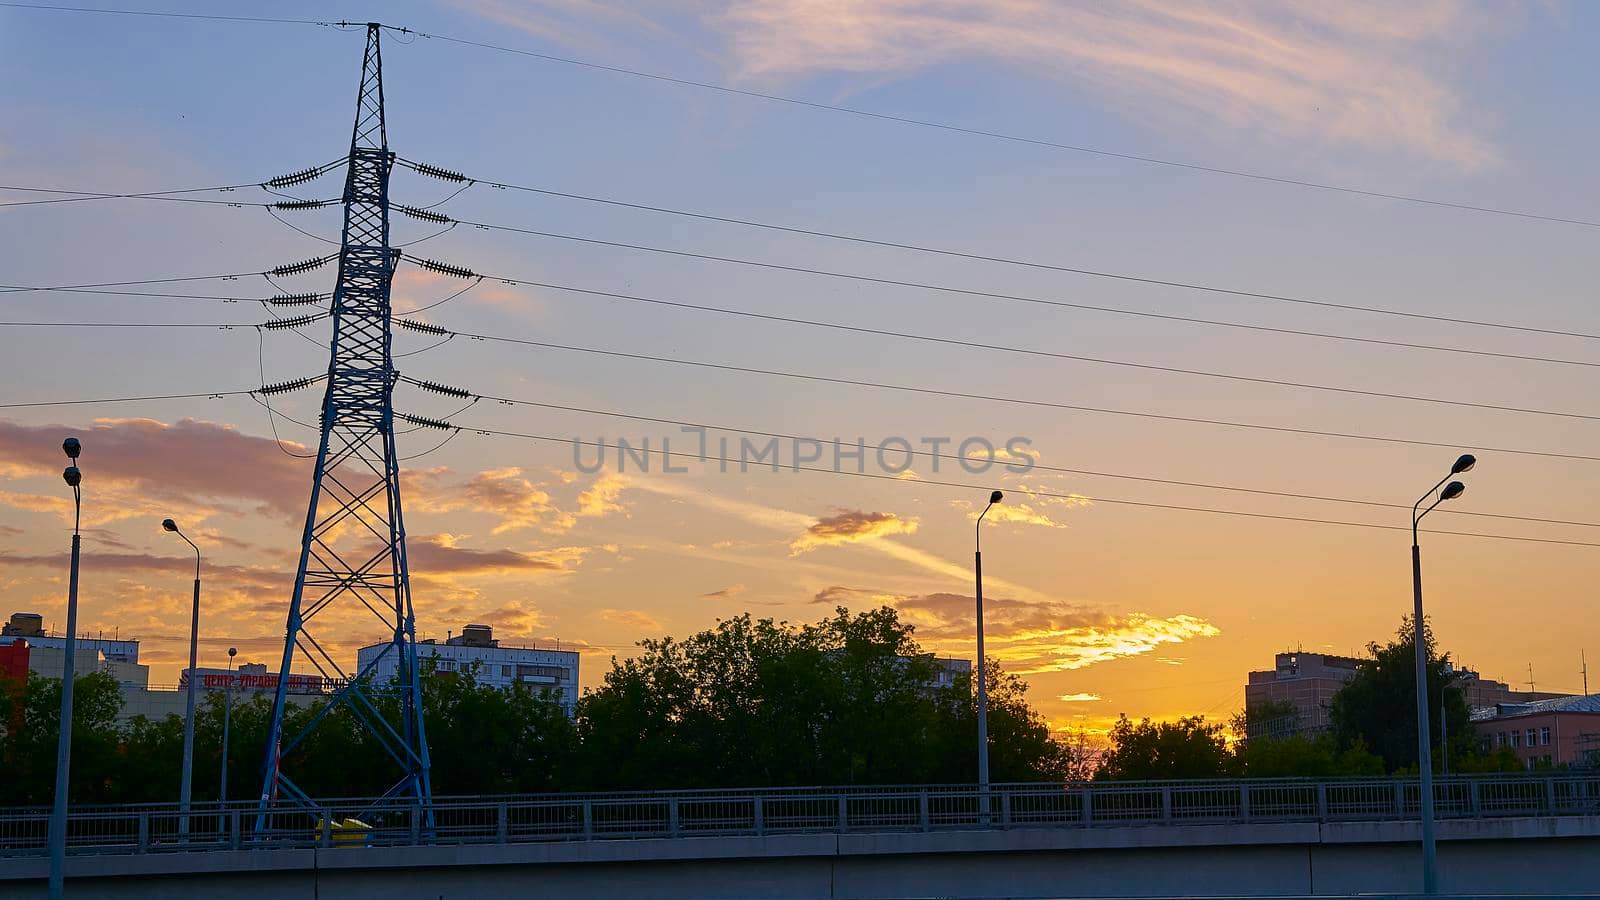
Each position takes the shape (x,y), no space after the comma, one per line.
(58,812)
(983,668)
(1430,857)
(186,788)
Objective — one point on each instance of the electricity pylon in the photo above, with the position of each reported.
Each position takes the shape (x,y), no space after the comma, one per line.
(353,552)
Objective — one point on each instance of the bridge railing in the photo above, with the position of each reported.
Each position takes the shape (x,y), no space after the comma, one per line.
(151,828)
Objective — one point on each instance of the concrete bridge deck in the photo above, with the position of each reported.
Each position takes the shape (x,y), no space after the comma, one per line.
(911,850)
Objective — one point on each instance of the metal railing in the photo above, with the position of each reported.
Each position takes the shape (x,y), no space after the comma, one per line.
(153,828)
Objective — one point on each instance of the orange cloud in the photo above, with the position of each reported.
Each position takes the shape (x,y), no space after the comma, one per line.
(729,592)
(600,498)
(849,527)
(1049,636)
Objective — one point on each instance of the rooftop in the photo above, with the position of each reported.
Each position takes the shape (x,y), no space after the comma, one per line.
(1589,703)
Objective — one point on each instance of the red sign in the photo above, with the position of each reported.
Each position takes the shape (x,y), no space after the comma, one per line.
(298,684)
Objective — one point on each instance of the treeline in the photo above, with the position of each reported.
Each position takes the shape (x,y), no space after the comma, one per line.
(851,699)
(1372,730)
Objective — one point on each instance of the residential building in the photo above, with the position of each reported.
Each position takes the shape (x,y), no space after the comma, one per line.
(948,669)
(1562,730)
(1308,681)
(476,650)
(30,627)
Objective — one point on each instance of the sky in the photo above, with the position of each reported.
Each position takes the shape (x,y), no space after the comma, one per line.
(1104,605)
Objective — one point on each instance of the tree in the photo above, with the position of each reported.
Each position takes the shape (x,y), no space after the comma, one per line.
(848,700)
(1269,719)
(1378,707)
(29,753)
(1191,747)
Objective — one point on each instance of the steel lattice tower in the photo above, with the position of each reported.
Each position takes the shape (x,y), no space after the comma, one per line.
(353,552)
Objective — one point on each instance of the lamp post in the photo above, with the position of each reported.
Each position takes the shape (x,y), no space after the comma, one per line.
(186,787)
(983,668)
(227,718)
(58,812)
(1430,857)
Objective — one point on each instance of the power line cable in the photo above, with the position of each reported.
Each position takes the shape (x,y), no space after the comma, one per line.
(1012,138)
(1092,360)
(1018,401)
(602,445)
(173,15)
(82,196)
(928,286)
(1010,261)
(79,196)
(511,401)
(151,397)
(296,268)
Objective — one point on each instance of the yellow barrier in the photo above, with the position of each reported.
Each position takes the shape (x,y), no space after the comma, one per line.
(347,832)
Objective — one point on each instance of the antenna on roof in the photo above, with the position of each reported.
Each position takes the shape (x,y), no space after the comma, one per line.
(1582,657)
(1530,678)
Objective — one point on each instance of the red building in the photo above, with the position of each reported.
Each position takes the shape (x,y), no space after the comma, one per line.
(1549,732)
(14,663)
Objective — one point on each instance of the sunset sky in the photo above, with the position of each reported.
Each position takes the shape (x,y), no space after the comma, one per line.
(1107,607)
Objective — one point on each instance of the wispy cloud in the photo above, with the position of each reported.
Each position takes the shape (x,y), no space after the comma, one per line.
(727,593)
(1364,73)
(1361,72)
(1079,698)
(631,618)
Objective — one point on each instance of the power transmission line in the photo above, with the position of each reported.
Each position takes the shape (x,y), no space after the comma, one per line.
(990,398)
(450,223)
(1010,261)
(82,196)
(928,286)
(155,295)
(83,402)
(603,445)
(172,15)
(79,196)
(1012,138)
(1092,360)
(292,269)
(512,401)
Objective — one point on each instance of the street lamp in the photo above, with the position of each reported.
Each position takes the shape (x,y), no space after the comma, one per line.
(1430,857)
(983,668)
(227,718)
(184,789)
(58,812)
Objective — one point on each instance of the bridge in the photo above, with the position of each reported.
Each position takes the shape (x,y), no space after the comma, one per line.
(1292,837)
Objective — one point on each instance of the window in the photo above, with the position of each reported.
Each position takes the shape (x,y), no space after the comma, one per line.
(1544,736)
(1532,737)
(1500,739)
(505,671)
(1516,739)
